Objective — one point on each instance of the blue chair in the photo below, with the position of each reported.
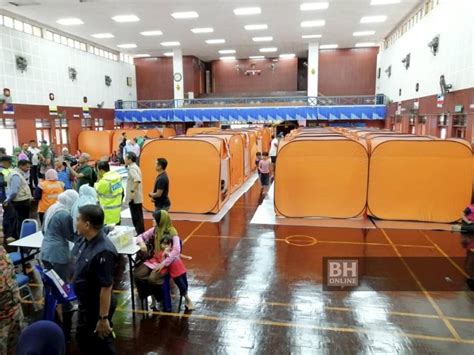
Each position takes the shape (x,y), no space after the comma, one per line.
(42,337)
(22,280)
(28,227)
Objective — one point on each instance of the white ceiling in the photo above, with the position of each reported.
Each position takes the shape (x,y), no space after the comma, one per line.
(282,16)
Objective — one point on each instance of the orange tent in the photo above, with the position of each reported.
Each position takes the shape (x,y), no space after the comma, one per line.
(198,170)
(266,139)
(201,130)
(166,132)
(97,144)
(154,133)
(419,179)
(131,133)
(236,143)
(321,177)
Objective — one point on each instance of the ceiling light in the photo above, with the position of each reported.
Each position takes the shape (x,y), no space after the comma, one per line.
(184,15)
(311,6)
(151,33)
(170,44)
(268,50)
(141,55)
(125,18)
(366,44)
(311,36)
(262,39)
(202,30)
(127,45)
(215,41)
(103,35)
(315,23)
(227,51)
(70,21)
(255,27)
(328,46)
(373,19)
(247,11)
(287,56)
(168,54)
(257,57)
(363,33)
(227,58)
(385,2)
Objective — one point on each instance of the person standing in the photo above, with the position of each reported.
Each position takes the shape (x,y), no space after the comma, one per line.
(35,163)
(8,222)
(19,193)
(161,188)
(47,192)
(273,150)
(134,193)
(122,144)
(93,280)
(64,173)
(110,192)
(84,173)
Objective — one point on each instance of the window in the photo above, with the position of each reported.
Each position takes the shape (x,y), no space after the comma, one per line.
(91,49)
(64,40)
(36,31)
(70,42)
(28,28)
(61,133)
(99,124)
(18,25)
(86,124)
(48,35)
(8,21)
(7,123)
(43,129)
(83,47)
(56,38)
(1,20)
(77,45)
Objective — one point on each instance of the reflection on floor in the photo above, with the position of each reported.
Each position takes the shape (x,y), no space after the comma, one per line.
(258,289)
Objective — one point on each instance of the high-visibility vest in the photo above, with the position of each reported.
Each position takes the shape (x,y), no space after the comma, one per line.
(51,190)
(110,191)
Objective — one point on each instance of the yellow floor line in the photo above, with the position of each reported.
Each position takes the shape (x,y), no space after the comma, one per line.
(425,292)
(193,231)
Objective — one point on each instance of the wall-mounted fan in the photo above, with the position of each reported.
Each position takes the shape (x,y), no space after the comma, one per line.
(21,63)
(108,80)
(72,73)
(445,88)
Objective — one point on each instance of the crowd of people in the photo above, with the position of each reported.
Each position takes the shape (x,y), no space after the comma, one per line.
(80,203)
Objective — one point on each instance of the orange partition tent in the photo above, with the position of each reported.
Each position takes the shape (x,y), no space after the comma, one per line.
(419,179)
(131,133)
(154,133)
(198,170)
(168,132)
(266,139)
(165,132)
(236,144)
(321,177)
(201,130)
(97,144)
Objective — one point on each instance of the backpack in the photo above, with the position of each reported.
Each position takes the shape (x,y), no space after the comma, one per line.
(93,177)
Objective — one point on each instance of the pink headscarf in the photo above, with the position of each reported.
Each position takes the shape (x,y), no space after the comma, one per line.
(51,175)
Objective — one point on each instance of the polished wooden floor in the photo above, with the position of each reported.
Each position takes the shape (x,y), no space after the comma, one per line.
(258,290)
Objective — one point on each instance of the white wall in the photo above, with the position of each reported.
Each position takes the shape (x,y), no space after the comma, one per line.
(453,20)
(47,72)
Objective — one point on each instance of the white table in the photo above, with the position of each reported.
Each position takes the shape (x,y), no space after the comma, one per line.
(35,241)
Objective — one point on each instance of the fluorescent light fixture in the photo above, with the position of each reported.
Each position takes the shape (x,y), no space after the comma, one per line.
(262,39)
(185,15)
(125,18)
(243,11)
(255,27)
(287,55)
(103,35)
(315,23)
(170,44)
(311,36)
(363,33)
(215,41)
(141,55)
(366,44)
(227,51)
(168,54)
(268,50)
(385,2)
(127,45)
(202,30)
(373,19)
(257,57)
(151,33)
(70,21)
(227,58)
(312,6)
(328,46)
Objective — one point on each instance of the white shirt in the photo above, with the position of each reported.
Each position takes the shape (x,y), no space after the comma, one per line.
(34,155)
(273,147)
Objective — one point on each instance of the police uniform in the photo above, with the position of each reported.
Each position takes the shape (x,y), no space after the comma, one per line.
(95,268)
(110,192)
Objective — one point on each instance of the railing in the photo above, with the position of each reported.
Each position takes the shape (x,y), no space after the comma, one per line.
(255,101)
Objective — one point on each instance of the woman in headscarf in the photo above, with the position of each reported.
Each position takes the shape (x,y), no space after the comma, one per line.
(145,276)
(87,196)
(47,192)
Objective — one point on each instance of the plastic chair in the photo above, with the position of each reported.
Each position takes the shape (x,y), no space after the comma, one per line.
(52,296)
(28,227)
(22,280)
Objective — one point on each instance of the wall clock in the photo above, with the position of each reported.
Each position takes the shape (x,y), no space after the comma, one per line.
(178,77)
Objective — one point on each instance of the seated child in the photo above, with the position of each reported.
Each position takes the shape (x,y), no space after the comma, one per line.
(467,224)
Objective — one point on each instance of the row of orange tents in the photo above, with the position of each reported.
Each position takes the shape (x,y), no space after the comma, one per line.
(344,173)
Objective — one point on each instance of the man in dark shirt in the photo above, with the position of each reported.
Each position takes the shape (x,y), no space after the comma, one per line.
(83,173)
(160,191)
(93,279)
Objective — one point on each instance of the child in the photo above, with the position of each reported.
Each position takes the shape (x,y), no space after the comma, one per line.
(257,161)
(265,168)
(175,266)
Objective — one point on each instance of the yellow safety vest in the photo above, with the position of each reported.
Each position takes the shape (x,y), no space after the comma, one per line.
(110,191)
